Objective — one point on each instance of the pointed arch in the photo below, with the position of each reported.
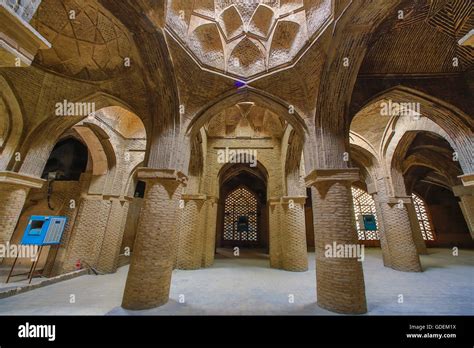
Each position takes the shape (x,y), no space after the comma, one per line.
(11,124)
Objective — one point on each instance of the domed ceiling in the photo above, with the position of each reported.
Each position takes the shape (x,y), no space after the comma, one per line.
(87,41)
(246,37)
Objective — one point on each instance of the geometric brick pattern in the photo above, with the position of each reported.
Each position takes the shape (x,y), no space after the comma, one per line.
(245,38)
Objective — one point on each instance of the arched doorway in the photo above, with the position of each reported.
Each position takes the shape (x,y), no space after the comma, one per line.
(68,160)
(243,216)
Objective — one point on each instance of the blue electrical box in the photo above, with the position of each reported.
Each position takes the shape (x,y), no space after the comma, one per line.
(44,230)
(369,223)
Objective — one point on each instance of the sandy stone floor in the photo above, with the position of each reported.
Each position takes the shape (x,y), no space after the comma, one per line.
(248,286)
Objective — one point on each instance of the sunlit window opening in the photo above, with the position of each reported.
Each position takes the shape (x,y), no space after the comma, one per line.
(423,218)
(365,216)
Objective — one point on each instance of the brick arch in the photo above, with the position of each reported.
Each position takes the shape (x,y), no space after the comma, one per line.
(260,171)
(439,117)
(100,160)
(294,173)
(35,151)
(13,126)
(433,161)
(129,187)
(246,94)
(366,161)
(396,155)
(358,141)
(331,122)
(258,189)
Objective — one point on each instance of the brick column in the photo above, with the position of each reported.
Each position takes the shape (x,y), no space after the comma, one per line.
(87,235)
(372,190)
(420,244)
(209,231)
(465,193)
(340,280)
(294,249)
(191,231)
(14,189)
(149,277)
(275,224)
(397,230)
(113,235)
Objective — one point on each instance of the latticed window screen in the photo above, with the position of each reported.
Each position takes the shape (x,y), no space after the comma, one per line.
(364,205)
(240,216)
(423,218)
(24,8)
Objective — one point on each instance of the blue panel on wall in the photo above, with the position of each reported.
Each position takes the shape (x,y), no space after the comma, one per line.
(44,230)
(369,223)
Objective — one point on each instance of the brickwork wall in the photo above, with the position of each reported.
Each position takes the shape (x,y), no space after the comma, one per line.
(36,204)
(55,263)
(268,154)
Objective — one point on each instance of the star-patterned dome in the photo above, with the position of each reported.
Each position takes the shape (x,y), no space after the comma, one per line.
(246,37)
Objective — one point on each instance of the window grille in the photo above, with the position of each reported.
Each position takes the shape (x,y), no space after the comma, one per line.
(23,8)
(240,216)
(364,205)
(423,217)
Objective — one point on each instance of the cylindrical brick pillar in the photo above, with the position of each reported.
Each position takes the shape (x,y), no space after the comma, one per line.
(149,277)
(110,250)
(295,253)
(190,232)
(209,232)
(383,237)
(420,244)
(340,280)
(87,235)
(275,222)
(466,203)
(398,232)
(14,189)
